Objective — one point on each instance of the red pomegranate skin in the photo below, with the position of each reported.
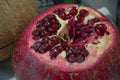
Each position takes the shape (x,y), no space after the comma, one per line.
(26,66)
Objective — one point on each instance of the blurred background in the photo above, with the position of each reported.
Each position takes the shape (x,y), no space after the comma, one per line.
(16,14)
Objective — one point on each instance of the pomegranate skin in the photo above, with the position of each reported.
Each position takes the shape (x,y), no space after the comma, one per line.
(27,67)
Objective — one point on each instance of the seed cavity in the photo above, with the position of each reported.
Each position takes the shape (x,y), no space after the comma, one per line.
(73,39)
(46,27)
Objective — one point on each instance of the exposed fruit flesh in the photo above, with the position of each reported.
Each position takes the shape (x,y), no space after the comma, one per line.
(95,45)
(76,31)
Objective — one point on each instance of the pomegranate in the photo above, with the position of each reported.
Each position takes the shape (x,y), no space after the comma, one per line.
(68,42)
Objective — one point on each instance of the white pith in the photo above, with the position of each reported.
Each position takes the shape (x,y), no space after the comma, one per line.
(95,51)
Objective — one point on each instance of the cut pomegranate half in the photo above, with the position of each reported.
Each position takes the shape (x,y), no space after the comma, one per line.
(64,39)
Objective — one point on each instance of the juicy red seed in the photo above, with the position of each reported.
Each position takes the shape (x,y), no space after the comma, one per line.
(54,52)
(107,32)
(63,44)
(78,32)
(103,26)
(71,58)
(51,16)
(84,51)
(80,18)
(90,23)
(69,51)
(68,16)
(80,58)
(45,19)
(39,24)
(96,19)
(56,40)
(51,30)
(61,9)
(85,34)
(76,50)
(73,11)
(83,12)
(54,21)
(36,45)
(56,26)
(47,24)
(73,49)
(88,31)
(62,15)
(42,49)
(36,32)
(100,29)
(44,33)
(45,39)
(56,12)
(42,28)
(36,37)
(79,24)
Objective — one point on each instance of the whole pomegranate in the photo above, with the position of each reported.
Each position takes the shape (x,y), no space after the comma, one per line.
(68,42)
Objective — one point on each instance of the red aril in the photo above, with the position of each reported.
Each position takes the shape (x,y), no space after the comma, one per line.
(74,48)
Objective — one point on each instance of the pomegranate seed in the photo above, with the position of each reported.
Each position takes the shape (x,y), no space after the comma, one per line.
(71,58)
(51,16)
(51,30)
(39,24)
(42,28)
(44,33)
(80,58)
(59,48)
(56,26)
(83,12)
(36,37)
(36,45)
(80,18)
(47,24)
(35,32)
(68,16)
(77,50)
(96,19)
(42,49)
(85,34)
(56,40)
(73,11)
(78,32)
(107,32)
(84,51)
(45,39)
(100,29)
(59,10)
(69,51)
(63,44)
(54,52)
(79,24)
(62,15)
(90,23)
(45,19)
(54,21)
